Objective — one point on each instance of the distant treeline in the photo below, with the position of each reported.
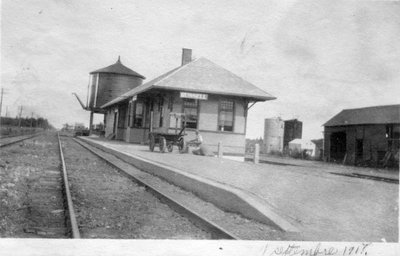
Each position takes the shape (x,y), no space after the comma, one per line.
(26,122)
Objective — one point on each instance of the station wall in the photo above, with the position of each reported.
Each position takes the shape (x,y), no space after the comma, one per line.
(208,113)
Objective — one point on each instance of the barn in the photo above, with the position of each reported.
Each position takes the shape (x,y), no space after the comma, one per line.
(364,136)
(212,99)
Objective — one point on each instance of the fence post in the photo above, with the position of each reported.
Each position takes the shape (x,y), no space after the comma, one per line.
(256,153)
(220,150)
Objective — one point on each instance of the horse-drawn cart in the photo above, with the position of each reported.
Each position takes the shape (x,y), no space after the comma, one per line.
(166,140)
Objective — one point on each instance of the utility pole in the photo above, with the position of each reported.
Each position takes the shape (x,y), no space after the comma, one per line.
(31,119)
(1,100)
(20,114)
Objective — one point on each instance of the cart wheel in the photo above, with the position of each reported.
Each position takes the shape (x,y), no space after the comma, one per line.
(163,144)
(170,147)
(152,142)
(181,144)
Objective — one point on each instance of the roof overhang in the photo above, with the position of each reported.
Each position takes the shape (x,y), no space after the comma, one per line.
(253,98)
(359,124)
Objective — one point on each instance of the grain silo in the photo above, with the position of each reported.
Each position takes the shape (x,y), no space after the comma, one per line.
(107,83)
(273,135)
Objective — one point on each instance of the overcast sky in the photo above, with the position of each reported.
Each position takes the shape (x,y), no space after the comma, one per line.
(316,57)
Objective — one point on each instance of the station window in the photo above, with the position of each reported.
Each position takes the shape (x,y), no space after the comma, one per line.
(225,115)
(190,109)
(138,114)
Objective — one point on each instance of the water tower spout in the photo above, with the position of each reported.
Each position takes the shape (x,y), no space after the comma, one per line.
(77,97)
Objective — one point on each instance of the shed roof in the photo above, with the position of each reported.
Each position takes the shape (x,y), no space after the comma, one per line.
(388,114)
(118,68)
(200,75)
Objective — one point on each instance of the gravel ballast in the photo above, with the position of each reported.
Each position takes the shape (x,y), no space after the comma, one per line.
(110,205)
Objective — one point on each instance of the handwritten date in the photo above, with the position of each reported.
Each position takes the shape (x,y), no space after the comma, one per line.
(317,250)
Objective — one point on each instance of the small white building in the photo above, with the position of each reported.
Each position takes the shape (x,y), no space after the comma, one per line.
(299,145)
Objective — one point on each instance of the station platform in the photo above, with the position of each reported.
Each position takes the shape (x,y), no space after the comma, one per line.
(316,204)
(329,167)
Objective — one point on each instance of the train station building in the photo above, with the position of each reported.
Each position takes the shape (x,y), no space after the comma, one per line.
(199,93)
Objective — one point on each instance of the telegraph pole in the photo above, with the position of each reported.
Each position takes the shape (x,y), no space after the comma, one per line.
(1,100)
(31,119)
(20,114)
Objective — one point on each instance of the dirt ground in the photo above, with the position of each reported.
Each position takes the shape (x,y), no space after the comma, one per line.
(109,205)
(20,166)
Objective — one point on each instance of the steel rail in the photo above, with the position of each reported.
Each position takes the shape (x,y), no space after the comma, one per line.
(22,134)
(16,139)
(214,229)
(71,213)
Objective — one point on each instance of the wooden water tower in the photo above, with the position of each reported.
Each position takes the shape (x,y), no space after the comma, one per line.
(106,84)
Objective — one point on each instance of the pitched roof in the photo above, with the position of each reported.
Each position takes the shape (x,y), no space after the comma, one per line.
(200,75)
(300,141)
(370,115)
(318,142)
(118,68)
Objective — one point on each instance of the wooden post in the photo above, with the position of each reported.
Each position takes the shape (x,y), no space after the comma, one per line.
(257,153)
(176,124)
(151,120)
(220,150)
(90,122)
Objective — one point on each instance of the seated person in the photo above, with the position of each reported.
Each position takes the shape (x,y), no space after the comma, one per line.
(200,149)
(197,141)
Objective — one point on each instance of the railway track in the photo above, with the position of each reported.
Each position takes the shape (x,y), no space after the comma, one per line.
(108,204)
(71,220)
(48,206)
(215,231)
(10,140)
(206,216)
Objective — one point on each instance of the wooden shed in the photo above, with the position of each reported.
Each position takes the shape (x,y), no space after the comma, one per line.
(364,136)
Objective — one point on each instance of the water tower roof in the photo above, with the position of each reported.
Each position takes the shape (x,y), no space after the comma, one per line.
(118,68)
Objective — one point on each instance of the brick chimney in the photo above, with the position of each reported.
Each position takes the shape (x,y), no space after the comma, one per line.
(186,56)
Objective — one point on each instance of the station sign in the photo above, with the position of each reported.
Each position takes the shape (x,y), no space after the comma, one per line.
(197,96)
